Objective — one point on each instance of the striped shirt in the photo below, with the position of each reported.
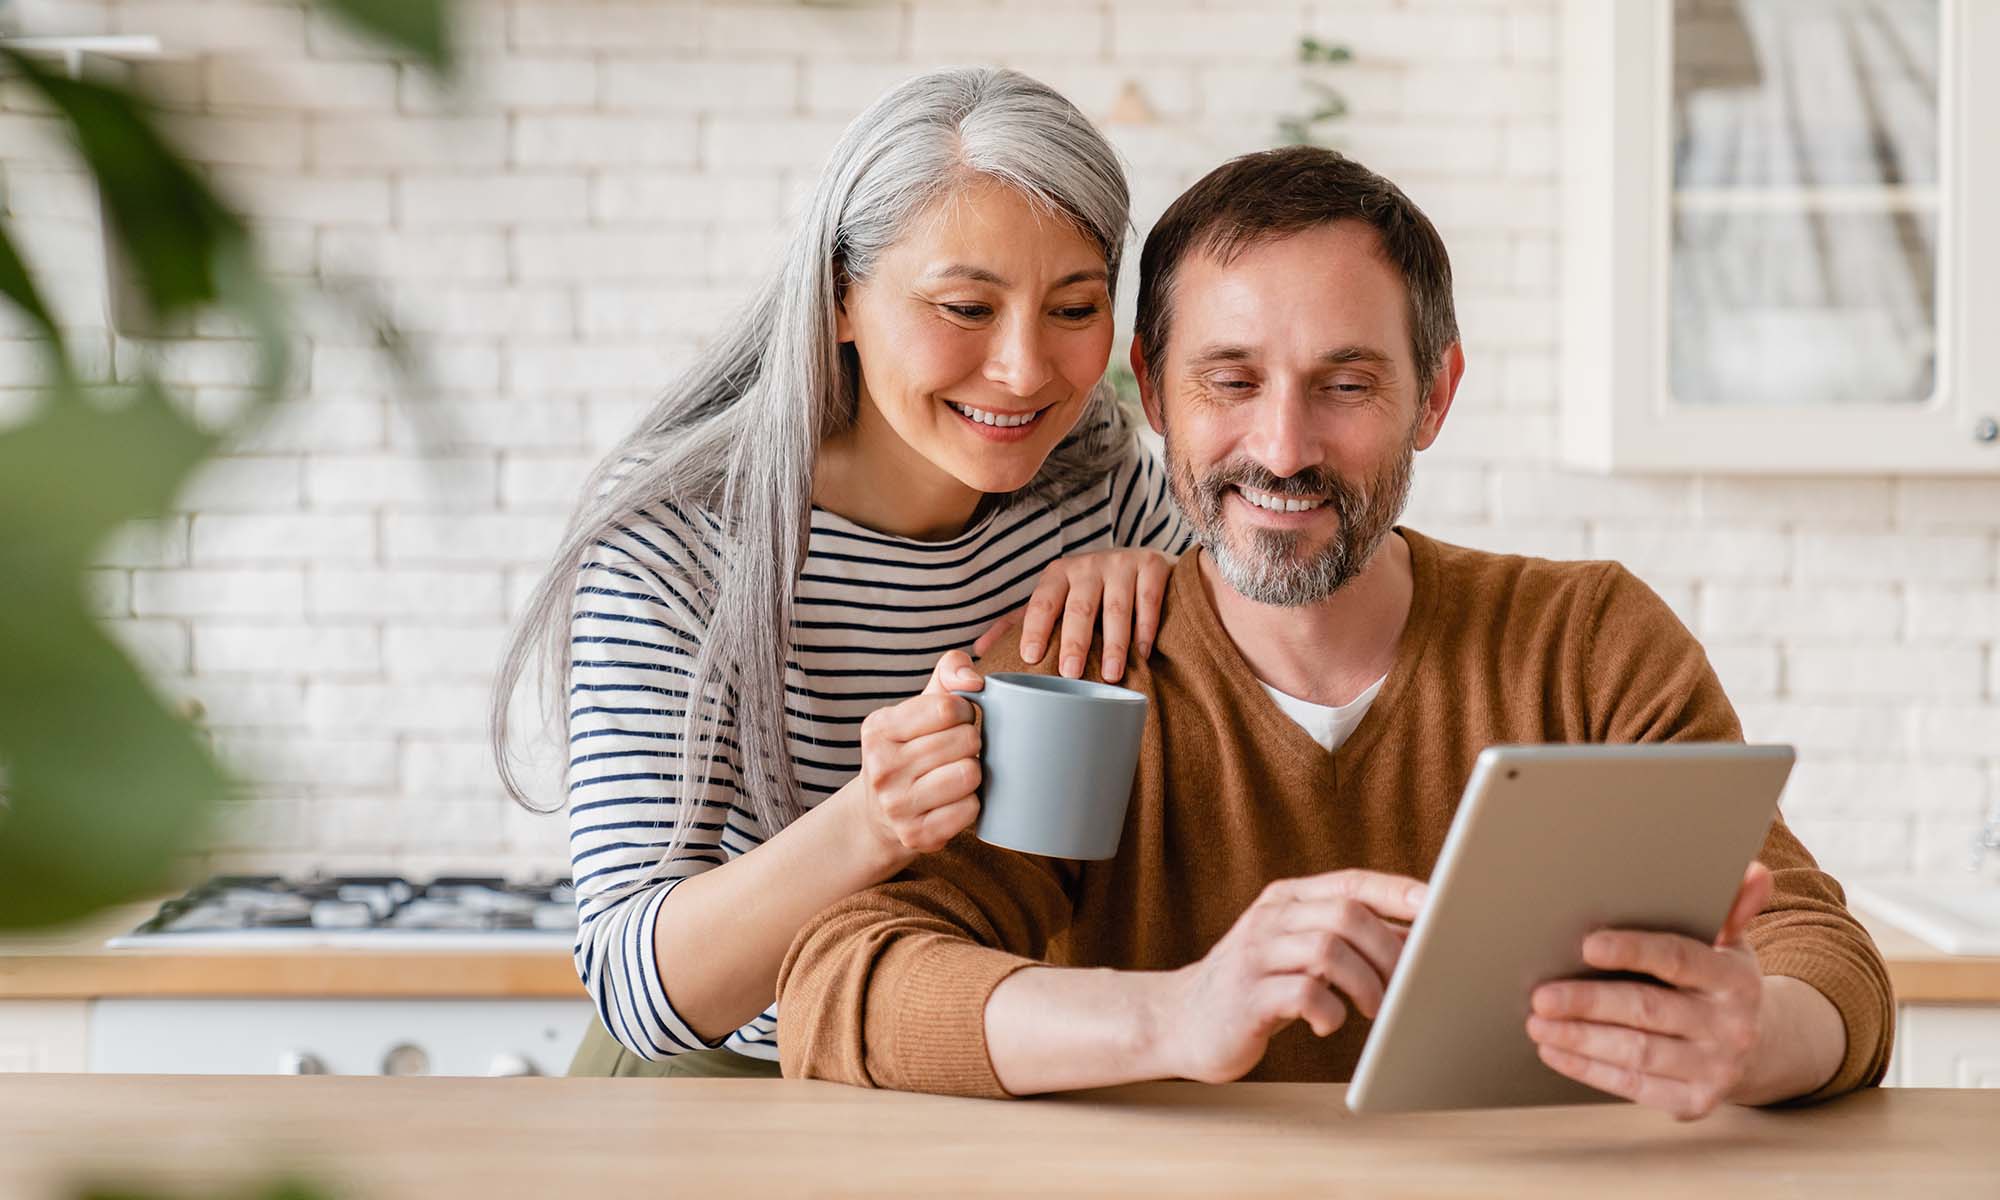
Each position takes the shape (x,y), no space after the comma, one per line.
(872,615)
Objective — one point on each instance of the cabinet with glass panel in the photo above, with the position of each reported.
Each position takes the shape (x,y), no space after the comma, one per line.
(1781,235)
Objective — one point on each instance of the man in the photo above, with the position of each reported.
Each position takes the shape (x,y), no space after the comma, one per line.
(1320,686)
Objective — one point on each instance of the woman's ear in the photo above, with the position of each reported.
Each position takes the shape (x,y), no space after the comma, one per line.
(843,328)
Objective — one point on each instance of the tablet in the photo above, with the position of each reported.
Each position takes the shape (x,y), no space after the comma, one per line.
(1549,844)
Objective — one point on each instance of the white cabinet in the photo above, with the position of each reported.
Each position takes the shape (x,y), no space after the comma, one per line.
(1778,245)
(1947,1045)
(271,1035)
(43,1035)
(335,1036)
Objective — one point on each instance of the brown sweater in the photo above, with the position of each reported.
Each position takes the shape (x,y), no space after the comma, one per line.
(888,988)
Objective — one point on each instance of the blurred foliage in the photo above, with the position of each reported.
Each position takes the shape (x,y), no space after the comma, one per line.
(288,1189)
(419,27)
(1124,384)
(103,788)
(1302,129)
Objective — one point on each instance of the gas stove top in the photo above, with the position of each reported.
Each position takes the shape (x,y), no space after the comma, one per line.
(375,912)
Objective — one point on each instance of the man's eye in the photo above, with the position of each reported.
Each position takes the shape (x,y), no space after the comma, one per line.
(971,312)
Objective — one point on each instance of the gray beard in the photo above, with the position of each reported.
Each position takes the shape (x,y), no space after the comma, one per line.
(1271,569)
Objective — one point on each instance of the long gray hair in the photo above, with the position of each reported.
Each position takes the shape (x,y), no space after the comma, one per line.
(737,435)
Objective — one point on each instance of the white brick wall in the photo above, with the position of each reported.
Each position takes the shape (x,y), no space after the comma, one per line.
(561,232)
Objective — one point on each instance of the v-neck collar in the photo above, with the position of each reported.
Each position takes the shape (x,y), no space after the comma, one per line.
(1272,724)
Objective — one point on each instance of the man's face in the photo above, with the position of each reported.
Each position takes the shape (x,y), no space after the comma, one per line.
(1292,409)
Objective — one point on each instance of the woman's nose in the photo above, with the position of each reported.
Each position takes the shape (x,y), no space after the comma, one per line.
(1020,359)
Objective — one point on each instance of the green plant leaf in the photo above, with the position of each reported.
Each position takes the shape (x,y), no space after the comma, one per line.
(18,287)
(284,1189)
(1314,50)
(418,27)
(105,786)
(167,220)
(249,296)
(293,1189)
(1297,129)
(103,789)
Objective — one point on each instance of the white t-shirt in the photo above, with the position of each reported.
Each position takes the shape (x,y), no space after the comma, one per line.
(1328,724)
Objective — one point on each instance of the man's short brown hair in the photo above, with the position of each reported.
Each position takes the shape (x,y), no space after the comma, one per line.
(1276,193)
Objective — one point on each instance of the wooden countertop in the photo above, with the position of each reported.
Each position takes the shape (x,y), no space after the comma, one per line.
(1923,974)
(74,964)
(441,1139)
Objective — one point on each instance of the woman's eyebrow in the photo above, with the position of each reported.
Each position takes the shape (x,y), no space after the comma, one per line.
(982,275)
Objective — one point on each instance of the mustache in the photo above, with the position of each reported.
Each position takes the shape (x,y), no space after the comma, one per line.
(1309,482)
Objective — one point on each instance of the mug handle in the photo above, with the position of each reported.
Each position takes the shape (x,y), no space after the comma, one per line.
(978,707)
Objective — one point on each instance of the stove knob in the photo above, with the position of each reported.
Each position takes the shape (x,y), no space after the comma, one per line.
(406,1059)
(301,1062)
(512,1064)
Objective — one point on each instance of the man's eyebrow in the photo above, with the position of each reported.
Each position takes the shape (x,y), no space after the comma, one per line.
(1221,352)
(1355,354)
(1224,352)
(982,275)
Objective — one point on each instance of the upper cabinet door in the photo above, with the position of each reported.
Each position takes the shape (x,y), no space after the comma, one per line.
(1781,247)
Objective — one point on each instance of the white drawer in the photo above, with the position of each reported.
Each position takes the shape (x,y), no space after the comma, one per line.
(253,1036)
(42,1035)
(1947,1045)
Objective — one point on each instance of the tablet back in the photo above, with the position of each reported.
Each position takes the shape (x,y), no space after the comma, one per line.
(1550,843)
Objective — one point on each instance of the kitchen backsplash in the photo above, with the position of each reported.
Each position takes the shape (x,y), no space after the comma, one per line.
(562,236)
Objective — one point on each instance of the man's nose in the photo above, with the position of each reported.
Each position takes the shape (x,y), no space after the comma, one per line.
(1281,437)
(1020,358)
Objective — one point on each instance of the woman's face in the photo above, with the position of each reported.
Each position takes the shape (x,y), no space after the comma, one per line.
(980,335)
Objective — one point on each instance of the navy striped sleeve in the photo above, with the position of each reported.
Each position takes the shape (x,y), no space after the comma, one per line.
(636,621)
(1144,513)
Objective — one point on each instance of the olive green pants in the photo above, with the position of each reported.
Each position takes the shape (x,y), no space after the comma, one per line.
(600,1056)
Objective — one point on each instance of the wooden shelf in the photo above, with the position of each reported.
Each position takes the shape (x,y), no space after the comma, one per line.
(122,47)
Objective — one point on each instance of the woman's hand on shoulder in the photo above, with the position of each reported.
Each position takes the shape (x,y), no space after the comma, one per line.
(1124,587)
(919,781)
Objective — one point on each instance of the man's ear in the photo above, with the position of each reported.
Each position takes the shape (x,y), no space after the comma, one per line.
(1437,401)
(1149,397)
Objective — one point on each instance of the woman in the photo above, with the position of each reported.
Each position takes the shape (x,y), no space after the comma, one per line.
(906,431)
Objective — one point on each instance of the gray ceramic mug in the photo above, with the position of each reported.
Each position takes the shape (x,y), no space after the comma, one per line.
(1058,758)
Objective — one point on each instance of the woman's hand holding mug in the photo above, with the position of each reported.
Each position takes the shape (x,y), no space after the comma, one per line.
(919,780)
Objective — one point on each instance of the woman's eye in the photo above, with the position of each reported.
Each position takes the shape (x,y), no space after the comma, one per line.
(971,312)
(1077,312)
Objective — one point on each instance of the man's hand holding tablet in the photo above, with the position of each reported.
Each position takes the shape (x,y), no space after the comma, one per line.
(1683,1044)
(1715,1030)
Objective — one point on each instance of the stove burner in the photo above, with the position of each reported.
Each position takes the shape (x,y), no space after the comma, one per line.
(384,904)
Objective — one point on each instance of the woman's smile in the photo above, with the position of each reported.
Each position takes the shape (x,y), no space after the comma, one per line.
(999,425)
